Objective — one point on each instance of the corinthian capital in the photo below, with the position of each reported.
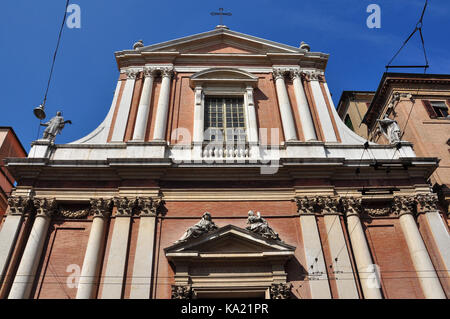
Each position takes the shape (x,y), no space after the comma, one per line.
(100,207)
(328,205)
(167,71)
(305,205)
(403,205)
(124,206)
(427,202)
(149,72)
(45,206)
(295,74)
(18,205)
(149,206)
(278,73)
(313,75)
(351,206)
(131,74)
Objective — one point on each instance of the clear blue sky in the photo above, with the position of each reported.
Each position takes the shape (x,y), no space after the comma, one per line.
(86,73)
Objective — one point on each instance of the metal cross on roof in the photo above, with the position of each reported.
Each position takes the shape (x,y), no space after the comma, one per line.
(221,14)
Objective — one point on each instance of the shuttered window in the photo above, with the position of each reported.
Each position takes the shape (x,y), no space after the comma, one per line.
(436,109)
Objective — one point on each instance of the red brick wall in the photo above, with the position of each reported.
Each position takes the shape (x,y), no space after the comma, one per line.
(390,253)
(66,246)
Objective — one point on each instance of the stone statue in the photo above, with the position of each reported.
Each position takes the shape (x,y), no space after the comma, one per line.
(54,126)
(259,225)
(390,129)
(205,225)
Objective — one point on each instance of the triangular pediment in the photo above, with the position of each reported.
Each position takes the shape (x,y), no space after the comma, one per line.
(221,41)
(230,240)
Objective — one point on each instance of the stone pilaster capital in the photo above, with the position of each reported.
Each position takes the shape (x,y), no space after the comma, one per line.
(278,73)
(131,74)
(45,207)
(149,72)
(427,202)
(166,71)
(18,205)
(100,207)
(296,74)
(312,75)
(149,206)
(305,205)
(181,292)
(352,206)
(327,204)
(403,205)
(124,206)
(280,291)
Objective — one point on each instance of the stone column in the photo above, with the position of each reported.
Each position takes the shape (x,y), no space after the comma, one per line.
(287,118)
(315,263)
(162,109)
(31,257)
(89,278)
(123,112)
(429,281)
(321,105)
(428,206)
(10,230)
(144,105)
(117,257)
(143,260)
(370,283)
(303,107)
(342,266)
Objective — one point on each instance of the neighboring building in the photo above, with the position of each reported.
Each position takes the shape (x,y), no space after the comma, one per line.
(352,107)
(155,202)
(10,146)
(419,102)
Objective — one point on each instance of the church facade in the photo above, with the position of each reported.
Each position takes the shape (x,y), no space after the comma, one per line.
(222,169)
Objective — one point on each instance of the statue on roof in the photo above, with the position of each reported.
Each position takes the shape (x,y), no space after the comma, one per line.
(54,126)
(390,129)
(259,225)
(205,225)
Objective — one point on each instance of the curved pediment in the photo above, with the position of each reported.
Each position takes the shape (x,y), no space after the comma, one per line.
(223,75)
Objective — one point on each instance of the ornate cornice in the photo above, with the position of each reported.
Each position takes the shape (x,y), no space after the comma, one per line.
(125,206)
(100,207)
(280,291)
(18,205)
(45,206)
(181,292)
(427,203)
(149,206)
